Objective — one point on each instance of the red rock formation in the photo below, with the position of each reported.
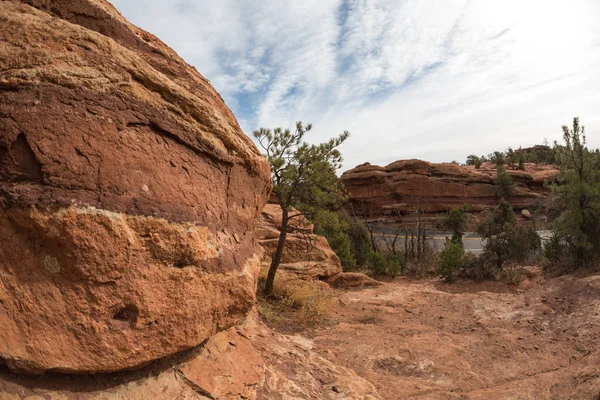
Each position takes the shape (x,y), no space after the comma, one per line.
(128,194)
(400,187)
(245,362)
(306,255)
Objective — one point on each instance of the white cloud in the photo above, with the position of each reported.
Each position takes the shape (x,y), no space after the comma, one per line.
(431,79)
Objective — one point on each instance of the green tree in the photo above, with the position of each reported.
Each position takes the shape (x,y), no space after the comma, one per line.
(474,160)
(511,158)
(577,196)
(494,223)
(455,220)
(504,183)
(497,158)
(303,177)
(505,240)
(521,165)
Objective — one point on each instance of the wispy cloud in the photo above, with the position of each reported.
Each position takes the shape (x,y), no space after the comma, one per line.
(413,78)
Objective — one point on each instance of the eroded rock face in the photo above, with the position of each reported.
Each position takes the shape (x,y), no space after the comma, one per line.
(404,186)
(128,194)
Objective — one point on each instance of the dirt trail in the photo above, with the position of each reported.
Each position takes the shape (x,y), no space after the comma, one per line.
(430,340)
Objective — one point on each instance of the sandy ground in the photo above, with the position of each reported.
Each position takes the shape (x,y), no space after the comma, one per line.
(431,340)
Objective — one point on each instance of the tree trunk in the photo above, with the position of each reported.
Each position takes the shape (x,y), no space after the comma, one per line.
(277,255)
(372,235)
(406,244)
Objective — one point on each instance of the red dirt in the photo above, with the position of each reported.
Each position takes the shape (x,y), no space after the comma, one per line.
(430,340)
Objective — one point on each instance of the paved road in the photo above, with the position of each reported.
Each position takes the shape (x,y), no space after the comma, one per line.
(472,241)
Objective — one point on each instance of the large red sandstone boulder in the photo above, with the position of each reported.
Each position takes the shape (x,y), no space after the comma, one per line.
(403,186)
(128,194)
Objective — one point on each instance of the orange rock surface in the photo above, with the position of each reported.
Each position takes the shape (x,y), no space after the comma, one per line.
(128,195)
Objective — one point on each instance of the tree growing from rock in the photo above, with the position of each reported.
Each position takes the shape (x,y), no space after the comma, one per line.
(511,158)
(474,160)
(504,183)
(497,158)
(521,158)
(304,177)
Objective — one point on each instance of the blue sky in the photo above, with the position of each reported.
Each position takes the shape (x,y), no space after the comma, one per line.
(429,79)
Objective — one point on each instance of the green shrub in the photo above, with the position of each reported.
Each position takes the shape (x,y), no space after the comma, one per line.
(377,263)
(335,229)
(480,267)
(347,237)
(505,240)
(554,249)
(381,264)
(360,242)
(395,264)
(455,220)
(452,260)
(340,244)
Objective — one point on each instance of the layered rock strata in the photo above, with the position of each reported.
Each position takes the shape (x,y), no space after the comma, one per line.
(404,187)
(128,195)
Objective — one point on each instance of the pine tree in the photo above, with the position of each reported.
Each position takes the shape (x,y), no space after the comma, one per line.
(503,182)
(577,196)
(474,160)
(303,177)
(521,160)
(455,220)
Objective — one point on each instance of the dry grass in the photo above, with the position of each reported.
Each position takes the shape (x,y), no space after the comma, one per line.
(295,303)
(425,265)
(513,273)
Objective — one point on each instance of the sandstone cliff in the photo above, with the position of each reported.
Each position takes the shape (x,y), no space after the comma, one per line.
(403,186)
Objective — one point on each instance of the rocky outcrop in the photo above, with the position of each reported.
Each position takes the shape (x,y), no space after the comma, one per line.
(402,187)
(245,362)
(128,195)
(306,256)
(305,253)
